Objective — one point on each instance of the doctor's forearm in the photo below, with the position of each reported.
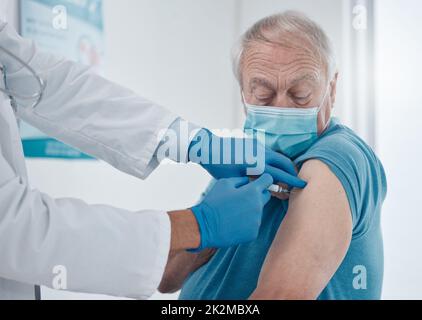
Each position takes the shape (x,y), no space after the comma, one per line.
(181,263)
(184,231)
(180,266)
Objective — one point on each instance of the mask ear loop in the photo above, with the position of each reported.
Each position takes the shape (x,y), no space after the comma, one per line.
(245,104)
(325,96)
(322,104)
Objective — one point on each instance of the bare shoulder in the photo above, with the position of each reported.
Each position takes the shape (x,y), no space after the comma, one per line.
(314,169)
(323,188)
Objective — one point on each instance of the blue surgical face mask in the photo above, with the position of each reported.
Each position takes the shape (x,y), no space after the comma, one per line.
(291,131)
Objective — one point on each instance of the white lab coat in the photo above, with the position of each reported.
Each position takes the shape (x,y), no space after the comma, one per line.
(105,250)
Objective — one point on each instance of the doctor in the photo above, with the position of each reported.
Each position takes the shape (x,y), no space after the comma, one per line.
(106,250)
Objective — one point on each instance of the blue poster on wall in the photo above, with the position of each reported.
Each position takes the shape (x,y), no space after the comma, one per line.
(69,28)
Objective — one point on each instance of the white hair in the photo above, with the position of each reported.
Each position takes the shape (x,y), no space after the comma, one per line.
(289,29)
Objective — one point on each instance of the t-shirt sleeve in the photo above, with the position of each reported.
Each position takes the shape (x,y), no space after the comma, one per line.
(354,165)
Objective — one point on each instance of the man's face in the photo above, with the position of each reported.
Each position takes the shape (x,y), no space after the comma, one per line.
(287,77)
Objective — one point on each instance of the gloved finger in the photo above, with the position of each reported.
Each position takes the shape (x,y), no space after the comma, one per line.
(280,161)
(263,182)
(281,176)
(266,196)
(238,182)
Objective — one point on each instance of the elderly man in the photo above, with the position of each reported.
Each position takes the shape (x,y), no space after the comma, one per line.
(325,241)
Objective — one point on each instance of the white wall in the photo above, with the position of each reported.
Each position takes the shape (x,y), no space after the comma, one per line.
(9,11)
(399,126)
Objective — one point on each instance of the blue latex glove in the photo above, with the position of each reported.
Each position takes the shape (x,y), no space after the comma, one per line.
(277,165)
(231,212)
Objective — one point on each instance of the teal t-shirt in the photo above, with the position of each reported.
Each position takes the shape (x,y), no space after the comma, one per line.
(232,273)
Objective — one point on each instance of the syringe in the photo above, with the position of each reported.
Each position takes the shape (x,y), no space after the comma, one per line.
(277,189)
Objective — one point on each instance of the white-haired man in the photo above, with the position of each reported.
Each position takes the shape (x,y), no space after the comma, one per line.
(325,241)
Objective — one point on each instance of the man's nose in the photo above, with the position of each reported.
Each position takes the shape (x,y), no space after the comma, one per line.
(281,100)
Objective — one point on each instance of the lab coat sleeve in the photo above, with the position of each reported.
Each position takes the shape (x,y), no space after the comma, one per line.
(84,110)
(97,249)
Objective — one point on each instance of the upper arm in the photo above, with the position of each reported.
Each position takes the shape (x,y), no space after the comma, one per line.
(312,240)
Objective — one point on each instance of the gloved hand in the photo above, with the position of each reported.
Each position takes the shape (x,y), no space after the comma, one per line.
(231,212)
(280,167)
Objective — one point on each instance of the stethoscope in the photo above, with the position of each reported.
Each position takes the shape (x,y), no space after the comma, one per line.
(13,95)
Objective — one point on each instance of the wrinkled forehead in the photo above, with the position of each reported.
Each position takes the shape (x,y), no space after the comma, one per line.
(264,63)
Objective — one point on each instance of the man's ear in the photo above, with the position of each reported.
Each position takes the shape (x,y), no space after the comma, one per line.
(333,86)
